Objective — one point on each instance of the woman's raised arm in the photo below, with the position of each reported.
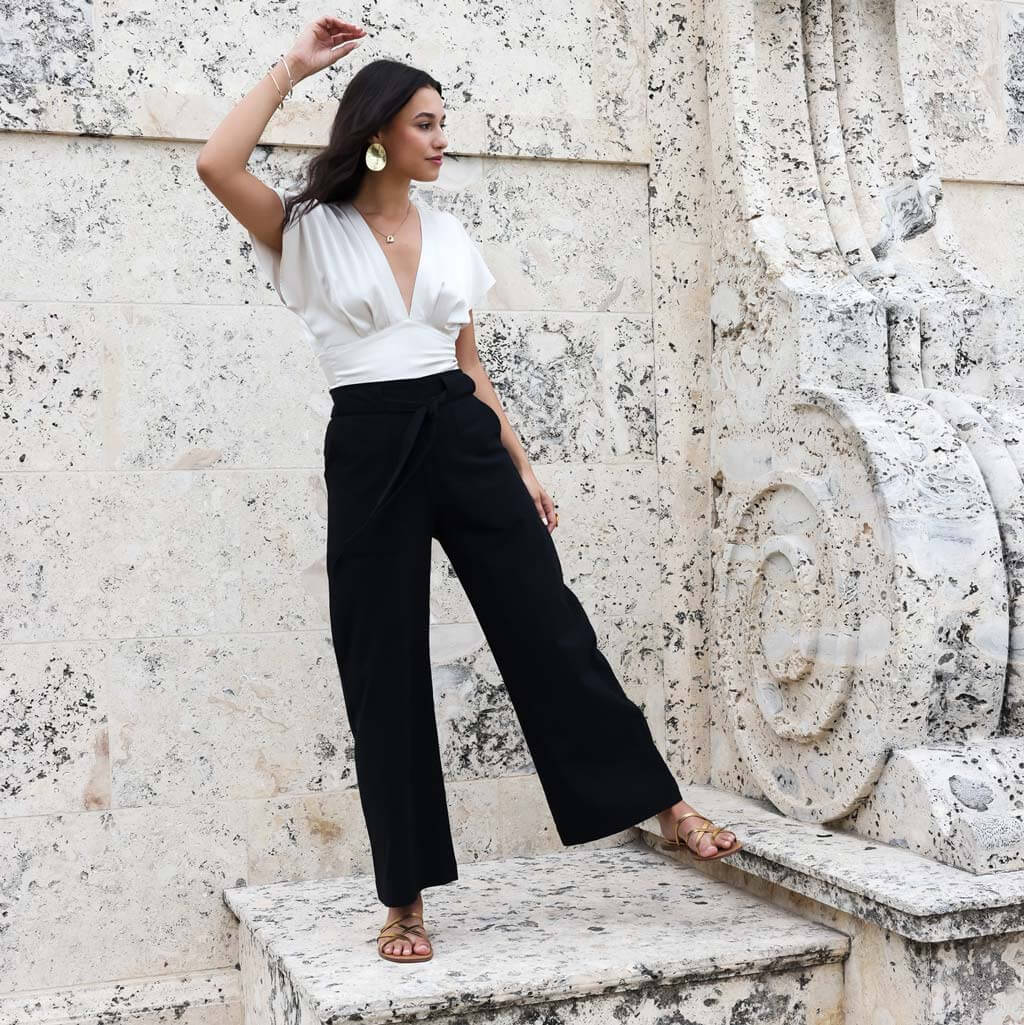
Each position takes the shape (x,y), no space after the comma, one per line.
(221,163)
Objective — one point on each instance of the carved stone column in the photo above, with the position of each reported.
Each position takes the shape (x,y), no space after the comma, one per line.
(866,386)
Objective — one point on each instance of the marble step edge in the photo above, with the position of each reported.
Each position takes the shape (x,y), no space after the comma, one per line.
(892,887)
(123,999)
(271,955)
(817,954)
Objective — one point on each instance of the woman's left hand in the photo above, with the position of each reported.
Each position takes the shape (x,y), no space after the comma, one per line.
(541,499)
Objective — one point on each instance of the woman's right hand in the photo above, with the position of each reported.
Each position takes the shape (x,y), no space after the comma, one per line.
(321,43)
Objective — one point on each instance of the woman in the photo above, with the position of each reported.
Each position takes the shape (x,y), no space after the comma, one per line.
(418,447)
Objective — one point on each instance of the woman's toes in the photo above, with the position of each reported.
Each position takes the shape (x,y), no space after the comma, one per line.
(708,845)
(404,947)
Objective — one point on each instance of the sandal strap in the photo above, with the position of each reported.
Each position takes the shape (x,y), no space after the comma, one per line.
(390,930)
(699,830)
(400,928)
(387,935)
(683,818)
(689,815)
(708,828)
(384,938)
(411,914)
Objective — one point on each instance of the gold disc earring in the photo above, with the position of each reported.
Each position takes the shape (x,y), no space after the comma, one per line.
(376,156)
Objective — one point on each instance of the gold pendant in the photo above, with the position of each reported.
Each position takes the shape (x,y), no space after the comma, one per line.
(389,238)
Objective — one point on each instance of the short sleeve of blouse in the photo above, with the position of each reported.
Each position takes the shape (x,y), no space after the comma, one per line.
(286,270)
(269,260)
(479,278)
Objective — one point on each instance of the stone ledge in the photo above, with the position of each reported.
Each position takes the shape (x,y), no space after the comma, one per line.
(524,930)
(145,998)
(892,887)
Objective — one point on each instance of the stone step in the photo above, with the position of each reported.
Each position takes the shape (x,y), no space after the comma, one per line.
(631,933)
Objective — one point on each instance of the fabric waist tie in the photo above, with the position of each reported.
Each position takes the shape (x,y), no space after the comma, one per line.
(373,397)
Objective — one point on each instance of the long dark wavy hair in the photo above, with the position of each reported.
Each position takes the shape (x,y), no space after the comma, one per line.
(373,96)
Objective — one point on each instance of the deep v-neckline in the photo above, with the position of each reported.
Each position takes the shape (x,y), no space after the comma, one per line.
(370,236)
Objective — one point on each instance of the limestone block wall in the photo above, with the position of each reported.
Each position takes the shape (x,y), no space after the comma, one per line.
(171,718)
(973,95)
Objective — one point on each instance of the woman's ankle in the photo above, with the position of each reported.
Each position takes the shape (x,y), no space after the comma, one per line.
(415,905)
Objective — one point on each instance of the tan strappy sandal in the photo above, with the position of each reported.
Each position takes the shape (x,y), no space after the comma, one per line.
(405,932)
(709,828)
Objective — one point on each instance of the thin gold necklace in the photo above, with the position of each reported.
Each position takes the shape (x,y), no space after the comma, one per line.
(389,237)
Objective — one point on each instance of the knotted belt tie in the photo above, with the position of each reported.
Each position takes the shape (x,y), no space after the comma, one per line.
(366,399)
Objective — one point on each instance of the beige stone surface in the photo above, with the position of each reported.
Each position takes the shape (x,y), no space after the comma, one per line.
(758,323)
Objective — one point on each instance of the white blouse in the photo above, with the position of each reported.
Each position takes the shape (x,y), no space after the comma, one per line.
(332,273)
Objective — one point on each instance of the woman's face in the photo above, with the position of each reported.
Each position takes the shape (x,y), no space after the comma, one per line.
(415,138)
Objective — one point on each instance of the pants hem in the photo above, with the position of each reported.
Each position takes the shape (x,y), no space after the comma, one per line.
(645,811)
(438,880)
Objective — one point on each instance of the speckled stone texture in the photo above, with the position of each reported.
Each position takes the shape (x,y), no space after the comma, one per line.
(172,715)
(895,889)
(595,936)
(929,944)
(866,380)
(767,378)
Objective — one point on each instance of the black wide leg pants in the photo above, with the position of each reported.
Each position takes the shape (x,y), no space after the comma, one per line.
(413,459)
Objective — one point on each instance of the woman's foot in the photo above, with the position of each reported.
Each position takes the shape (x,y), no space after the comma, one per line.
(700,843)
(412,944)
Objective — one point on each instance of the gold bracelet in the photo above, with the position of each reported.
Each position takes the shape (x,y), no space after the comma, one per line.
(291,83)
